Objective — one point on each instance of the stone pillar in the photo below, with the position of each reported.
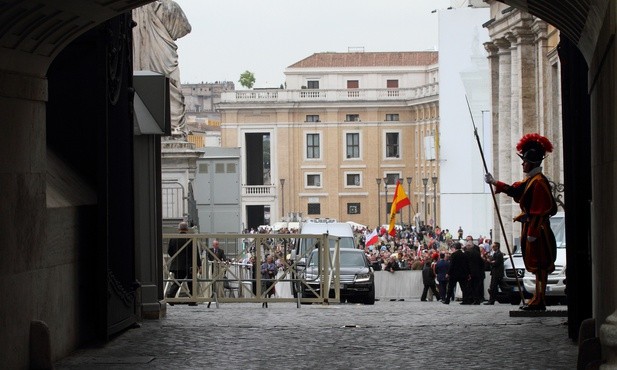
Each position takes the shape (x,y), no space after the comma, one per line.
(503,123)
(493,65)
(23,216)
(515,98)
(527,64)
(516,129)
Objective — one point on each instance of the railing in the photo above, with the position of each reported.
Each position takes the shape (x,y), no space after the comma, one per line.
(214,280)
(172,194)
(282,96)
(253,190)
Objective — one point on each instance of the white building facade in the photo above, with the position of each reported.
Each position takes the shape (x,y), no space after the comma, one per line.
(464,76)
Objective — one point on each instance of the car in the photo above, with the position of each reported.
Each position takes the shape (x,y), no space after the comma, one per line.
(304,246)
(556,282)
(357,280)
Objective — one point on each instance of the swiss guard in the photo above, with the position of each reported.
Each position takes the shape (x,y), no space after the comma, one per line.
(534,196)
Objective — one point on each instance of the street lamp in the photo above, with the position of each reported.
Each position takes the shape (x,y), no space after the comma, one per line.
(385,185)
(378,180)
(409,194)
(434,179)
(282,198)
(425,182)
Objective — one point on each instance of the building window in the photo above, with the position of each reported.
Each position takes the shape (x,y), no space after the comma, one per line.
(429,148)
(392,117)
(353,208)
(312,118)
(392,145)
(313,180)
(312,146)
(352,144)
(353,84)
(391,178)
(312,84)
(352,179)
(314,208)
(352,118)
(392,84)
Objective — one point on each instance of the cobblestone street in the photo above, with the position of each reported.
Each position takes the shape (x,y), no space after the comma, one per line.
(407,334)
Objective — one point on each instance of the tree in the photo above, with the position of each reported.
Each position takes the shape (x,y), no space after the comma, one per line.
(247,79)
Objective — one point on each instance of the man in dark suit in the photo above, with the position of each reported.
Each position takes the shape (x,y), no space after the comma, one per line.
(476,272)
(216,251)
(217,256)
(181,264)
(496,262)
(458,273)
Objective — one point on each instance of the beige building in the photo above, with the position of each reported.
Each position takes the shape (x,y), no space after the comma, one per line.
(346,124)
(526,97)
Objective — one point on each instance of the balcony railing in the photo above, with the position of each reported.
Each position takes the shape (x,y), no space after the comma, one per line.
(282,96)
(258,190)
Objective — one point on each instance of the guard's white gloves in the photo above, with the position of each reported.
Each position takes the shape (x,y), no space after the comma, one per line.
(489,179)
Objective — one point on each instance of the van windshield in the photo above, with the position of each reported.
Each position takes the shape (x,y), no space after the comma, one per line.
(348,259)
(308,244)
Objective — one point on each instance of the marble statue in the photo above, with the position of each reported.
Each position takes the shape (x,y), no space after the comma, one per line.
(159,25)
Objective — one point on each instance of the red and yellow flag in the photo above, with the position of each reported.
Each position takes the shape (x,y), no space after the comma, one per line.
(399,201)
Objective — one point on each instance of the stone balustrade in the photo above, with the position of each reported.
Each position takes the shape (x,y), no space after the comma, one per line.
(310,95)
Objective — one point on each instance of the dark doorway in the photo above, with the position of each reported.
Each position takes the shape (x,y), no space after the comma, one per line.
(255,216)
(257,159)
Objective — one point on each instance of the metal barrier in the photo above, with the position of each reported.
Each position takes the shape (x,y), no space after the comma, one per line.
(236,280)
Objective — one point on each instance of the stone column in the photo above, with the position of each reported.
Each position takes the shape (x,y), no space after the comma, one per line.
(493,65)
(515,98)
(503,123)
(527,63)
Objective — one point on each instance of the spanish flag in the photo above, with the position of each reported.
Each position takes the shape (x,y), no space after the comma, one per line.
(399,201)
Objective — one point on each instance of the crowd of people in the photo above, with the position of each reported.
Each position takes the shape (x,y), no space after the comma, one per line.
(447,260)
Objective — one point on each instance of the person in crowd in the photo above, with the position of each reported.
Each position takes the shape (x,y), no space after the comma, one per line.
(428,279)
(268,277)
(486,245)
(460,232)
(217,259)
(217,253)
(497,271)
(476,272)
(441,270)
(181,264)
(375,262)
(458,273)
(447,236)
(534,196)
(402,262)
(391,264)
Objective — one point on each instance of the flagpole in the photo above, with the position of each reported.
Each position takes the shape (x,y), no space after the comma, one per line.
(503,230)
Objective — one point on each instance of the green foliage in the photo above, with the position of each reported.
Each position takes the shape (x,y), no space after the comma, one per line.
(247,79)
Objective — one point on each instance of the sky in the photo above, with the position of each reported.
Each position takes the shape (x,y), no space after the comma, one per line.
(229,37)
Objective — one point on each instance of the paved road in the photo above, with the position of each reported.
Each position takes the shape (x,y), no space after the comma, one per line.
(428,335)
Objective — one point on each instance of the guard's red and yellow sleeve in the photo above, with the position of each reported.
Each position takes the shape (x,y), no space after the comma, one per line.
(500,187)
